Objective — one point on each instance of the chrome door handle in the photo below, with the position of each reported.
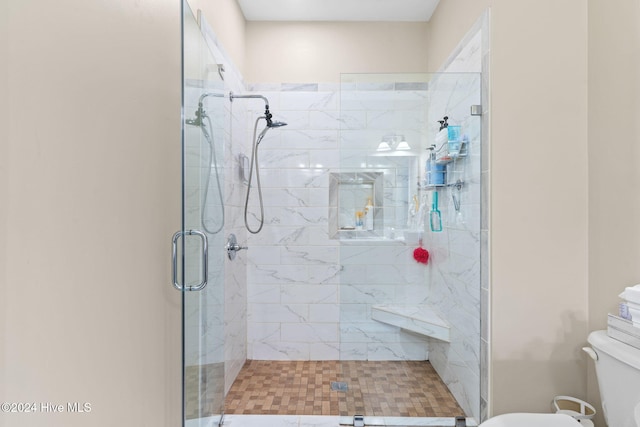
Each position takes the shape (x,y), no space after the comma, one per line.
(232,246)
(174,260)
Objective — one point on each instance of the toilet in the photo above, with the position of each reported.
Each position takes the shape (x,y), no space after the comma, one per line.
(618,371)
(531,420)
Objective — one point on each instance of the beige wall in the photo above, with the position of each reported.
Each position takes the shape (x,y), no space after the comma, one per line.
(539,188)
(304,52)
(227,19)
(4,111)
(539,194)
(451,20)
(93,151)
(614,175)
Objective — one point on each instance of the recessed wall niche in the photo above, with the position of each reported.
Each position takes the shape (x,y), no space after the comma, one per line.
(350,193)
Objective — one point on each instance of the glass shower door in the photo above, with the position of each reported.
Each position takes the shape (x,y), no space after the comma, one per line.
(410,329)
(199,246)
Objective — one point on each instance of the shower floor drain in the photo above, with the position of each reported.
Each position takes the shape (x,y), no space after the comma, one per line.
(339,386)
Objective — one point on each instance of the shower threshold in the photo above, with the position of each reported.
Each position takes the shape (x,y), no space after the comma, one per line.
(323,421)
(408,421)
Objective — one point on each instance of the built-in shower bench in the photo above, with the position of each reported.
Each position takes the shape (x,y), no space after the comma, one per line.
(420,319)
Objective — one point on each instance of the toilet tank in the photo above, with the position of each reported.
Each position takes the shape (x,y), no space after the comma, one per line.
(618,372)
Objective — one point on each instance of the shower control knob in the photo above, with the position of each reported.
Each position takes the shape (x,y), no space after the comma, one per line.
(232,246)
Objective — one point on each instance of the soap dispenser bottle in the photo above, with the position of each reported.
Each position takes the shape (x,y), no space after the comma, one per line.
(368,219)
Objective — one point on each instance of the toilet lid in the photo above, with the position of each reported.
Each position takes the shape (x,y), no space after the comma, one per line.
(531,420)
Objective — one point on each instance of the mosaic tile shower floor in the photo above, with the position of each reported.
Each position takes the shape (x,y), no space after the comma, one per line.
(385,389)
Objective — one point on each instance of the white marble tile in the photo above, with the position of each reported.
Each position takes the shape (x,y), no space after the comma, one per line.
(368,255)
(278,313)
(295,120)
(353,273)
(295,178)
(314,139)
(353,350)
(285,197)
(367,139)
(355,312)
(263,255)
(413,294)
(296,216)
(265,332)
(281,235)
(368,332)
(261,293)
(309,294)
(309,101)
(313,255)
(365,293)
(280,350)
(317,197)
(264,87)
(395,273)
(352,119)
(277,158)
(396,351)
(310,332)
(324,313)
(324,274)
(264,274)
(363,87)
(324,351)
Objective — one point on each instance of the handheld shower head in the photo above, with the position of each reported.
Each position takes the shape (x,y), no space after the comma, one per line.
(198,120)
(270,124)
(200,112)
(194,122)
(276,124)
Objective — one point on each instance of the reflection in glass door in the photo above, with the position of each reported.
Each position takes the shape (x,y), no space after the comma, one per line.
(198,247)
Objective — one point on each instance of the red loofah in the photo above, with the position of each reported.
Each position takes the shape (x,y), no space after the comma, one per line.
(421,255)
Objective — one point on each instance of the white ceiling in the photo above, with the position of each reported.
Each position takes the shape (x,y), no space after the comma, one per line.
(338,10)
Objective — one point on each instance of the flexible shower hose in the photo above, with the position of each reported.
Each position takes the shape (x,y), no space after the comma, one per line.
(214,160)
(254,160)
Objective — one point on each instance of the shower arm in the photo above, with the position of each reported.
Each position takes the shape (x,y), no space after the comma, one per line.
(203,96)
(200,112)
(267,114)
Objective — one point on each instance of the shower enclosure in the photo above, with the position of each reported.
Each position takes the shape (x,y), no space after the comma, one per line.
(348,198)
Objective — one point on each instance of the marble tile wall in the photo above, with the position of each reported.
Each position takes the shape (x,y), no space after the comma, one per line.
(293,266)
(301,305)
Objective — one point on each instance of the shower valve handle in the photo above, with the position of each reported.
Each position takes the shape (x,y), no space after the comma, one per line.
(233,247)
